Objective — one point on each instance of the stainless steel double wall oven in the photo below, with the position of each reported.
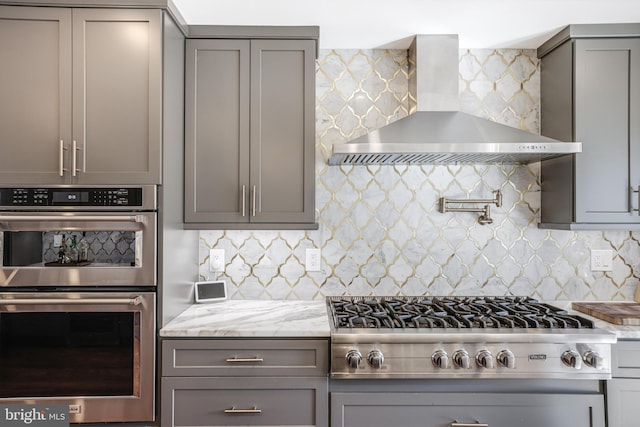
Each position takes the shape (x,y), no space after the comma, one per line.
(78,300)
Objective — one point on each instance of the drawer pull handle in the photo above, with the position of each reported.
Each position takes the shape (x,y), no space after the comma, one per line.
(245,360)
(476,424)
(233,410)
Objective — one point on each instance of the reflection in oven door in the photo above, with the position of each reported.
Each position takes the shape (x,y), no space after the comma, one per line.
(78,249)
(92,351)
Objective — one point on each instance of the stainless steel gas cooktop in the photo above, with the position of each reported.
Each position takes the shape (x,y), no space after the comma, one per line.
(484,337)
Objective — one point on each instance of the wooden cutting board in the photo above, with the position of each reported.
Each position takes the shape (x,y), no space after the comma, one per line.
(619,313)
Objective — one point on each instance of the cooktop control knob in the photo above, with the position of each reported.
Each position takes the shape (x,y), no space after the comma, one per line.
(461,359)
(572,359)
(375,358)
(440,359)
(592,359)
(354,357)
(507,359)
(484,358)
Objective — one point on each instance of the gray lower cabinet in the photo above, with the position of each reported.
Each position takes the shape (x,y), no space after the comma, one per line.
(623,390)
(466,410)
(248,382)
(244,401)
(81,92)
(590,92)
(250,133)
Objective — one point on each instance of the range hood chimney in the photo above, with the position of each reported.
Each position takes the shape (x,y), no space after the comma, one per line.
(435,132)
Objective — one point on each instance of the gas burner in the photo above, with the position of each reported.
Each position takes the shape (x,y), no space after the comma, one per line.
(450,312)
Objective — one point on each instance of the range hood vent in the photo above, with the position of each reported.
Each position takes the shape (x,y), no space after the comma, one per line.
(437,133)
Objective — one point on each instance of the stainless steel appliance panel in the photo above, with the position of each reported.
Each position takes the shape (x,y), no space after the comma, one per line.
(94,351)
(463,337)
(66,198)
(141,271)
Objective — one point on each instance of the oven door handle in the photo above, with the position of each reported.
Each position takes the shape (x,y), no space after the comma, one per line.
(43,301)
(120,218)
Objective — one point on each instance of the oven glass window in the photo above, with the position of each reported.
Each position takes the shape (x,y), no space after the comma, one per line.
(58,354)
(70,249)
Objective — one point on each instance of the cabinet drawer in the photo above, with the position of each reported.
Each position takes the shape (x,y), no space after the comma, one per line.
(625,359)
(224,357)
(244,401)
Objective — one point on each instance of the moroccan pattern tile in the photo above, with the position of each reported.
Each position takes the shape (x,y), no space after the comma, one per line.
(381,232)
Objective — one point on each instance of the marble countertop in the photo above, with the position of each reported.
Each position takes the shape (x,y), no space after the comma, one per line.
(293,319)
(251,318)
(621,331)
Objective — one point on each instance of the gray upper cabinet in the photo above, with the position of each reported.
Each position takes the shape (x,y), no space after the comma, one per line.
(117,95)
(217,130)
(81,91)
(35,89)
(590,92)
(250,131)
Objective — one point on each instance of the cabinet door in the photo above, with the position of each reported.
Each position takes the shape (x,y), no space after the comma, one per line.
(622,402)
(35,94)
(282,131)
(117,88)
(444,410)
(217,131)
(623,391)
(607,107)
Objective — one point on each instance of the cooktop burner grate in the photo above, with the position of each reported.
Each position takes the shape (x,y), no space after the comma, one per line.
(450,312)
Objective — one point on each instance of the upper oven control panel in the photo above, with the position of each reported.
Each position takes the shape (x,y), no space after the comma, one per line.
(71,197)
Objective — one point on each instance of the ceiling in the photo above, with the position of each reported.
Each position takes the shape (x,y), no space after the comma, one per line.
(373,24)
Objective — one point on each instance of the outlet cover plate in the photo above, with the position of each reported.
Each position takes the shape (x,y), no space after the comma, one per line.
(601,260)
(313,259)
(216,260)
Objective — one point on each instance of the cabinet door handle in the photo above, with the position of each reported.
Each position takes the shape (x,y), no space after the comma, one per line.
(244,200)
(476,424)
(254,201)
(74,161)
(637,190)
(245,360)
(61,168)
(233,410)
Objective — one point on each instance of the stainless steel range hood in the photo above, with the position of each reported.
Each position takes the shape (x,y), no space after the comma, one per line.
(437,133)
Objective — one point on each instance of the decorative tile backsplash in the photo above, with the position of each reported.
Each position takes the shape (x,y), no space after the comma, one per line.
(380,229)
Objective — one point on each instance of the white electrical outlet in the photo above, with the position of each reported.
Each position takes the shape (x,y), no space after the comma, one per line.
(216,260)
(601,260)
(314,259)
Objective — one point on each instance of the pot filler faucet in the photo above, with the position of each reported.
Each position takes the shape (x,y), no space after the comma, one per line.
(485,217)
